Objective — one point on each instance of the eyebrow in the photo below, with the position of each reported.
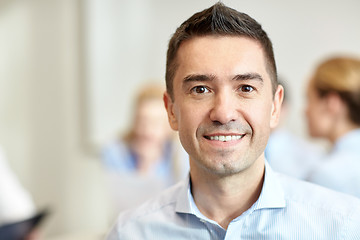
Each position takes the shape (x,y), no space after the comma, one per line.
(238,77)
(248,76)
(198,78)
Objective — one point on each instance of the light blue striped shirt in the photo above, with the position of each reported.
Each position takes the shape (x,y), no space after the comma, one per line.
(286,209)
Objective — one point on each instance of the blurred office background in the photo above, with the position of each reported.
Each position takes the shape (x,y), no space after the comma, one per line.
(69,70)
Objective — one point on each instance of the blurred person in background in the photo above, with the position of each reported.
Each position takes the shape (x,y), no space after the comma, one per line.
(148,157)
(286,152)
(16,204)
(333,113)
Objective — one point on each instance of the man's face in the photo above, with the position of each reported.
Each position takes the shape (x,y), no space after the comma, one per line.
(223,104)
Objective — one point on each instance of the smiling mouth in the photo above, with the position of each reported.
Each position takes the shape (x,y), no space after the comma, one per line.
(224,138)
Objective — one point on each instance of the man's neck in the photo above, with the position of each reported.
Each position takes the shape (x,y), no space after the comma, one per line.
(222,199)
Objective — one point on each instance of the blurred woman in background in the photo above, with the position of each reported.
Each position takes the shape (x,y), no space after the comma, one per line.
(333,113)
(147,148)
(148,157)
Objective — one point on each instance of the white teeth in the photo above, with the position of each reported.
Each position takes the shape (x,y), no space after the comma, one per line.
(225,138)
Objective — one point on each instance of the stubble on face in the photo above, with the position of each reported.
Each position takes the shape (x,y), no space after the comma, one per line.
(219,160)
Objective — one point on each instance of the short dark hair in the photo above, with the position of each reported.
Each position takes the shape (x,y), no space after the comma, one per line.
(222,21)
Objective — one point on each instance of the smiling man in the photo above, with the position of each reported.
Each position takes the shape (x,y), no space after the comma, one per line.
(223,98)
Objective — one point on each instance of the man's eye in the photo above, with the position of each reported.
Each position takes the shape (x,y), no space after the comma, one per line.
(199,89)
(246,88)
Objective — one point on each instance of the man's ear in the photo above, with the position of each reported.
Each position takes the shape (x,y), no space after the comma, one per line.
(276,107)
(169,105)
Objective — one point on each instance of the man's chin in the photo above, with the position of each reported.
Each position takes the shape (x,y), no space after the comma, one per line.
(225,169)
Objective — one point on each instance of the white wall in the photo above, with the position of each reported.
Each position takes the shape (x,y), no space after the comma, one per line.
(69,69)
(41,114)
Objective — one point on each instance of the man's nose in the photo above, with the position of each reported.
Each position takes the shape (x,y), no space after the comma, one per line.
(224,108)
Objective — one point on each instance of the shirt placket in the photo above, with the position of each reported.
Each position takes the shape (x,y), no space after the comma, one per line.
(216,232)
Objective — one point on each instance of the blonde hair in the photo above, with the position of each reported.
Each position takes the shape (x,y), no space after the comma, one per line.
(149,91)
(340,75)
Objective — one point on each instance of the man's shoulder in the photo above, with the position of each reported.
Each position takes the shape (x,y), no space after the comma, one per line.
(162,204)
(315,196)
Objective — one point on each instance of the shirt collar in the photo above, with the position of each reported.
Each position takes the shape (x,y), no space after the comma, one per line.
(271,196)
(182,201)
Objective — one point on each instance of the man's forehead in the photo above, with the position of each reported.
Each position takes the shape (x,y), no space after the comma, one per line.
(212,53)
